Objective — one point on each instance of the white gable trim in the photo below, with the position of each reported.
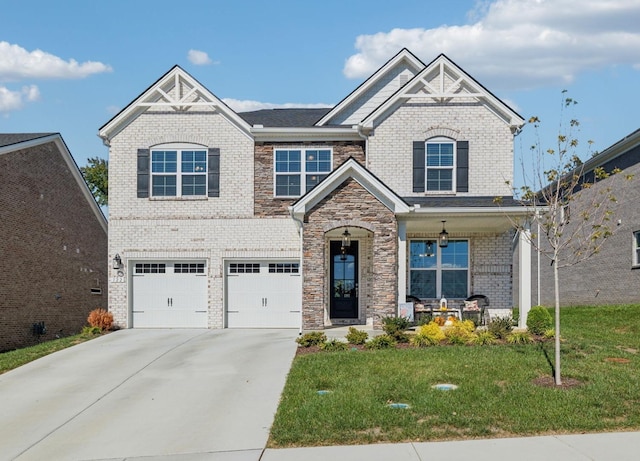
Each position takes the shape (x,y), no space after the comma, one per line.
(190,94)
(403,55)
(350,169)
(464,86)
(71,164)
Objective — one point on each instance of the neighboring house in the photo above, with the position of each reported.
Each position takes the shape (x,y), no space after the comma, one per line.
(220,219)
(53,242)
(613,275)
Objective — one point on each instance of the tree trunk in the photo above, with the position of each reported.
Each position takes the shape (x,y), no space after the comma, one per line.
(558,379)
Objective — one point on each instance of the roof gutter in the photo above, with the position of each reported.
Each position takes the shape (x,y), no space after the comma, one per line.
(284,134)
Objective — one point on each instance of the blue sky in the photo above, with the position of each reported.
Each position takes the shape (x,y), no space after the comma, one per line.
(69,66)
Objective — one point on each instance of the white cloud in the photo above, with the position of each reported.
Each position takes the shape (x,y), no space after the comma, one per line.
(113,110)
(16,63)
(14,100)
(248,105)
(518,43)
(199,58)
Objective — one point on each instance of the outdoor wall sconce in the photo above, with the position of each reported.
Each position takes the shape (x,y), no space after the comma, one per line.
(117,262)
(346,243)
(443,239)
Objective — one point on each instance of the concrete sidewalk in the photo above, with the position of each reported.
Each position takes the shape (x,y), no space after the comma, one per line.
(615,446)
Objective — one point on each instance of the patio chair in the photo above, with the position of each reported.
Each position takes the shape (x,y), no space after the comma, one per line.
(481,302)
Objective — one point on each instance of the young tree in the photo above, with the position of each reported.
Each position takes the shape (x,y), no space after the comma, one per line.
(96,174)
(571,205)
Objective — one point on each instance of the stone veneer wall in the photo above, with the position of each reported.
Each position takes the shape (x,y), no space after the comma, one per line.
(265,205)
(350,205)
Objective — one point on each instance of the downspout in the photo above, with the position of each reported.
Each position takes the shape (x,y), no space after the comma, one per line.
(366,145)
(301,234)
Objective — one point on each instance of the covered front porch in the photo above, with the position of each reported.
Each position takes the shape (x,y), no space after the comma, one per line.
(453,253)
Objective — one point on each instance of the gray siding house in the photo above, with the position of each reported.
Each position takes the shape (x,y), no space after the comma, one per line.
(308,218)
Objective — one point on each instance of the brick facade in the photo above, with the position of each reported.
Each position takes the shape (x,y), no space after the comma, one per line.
(490,145)
(212,229)
(609,276)
(265,204)
(53,249)
(247,222)
(350,205)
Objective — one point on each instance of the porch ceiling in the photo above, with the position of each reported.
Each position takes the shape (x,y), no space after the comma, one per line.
(461,221)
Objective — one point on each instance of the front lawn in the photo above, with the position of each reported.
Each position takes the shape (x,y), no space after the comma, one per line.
(497,394)
(13,359)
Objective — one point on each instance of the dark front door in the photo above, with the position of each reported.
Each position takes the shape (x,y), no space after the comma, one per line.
(344,281)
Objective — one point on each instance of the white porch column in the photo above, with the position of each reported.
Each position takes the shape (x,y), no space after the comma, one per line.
(402,262)
(524,270)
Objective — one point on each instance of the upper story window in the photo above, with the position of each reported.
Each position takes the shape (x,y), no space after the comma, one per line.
(440,165)
(636,249)
(436,272)
(297,171)
(178,172)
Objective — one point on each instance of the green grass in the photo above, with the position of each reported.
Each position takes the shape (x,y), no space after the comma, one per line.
(496,396)
(13,359)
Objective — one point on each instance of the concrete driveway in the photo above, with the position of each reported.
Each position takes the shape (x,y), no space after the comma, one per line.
(174,394)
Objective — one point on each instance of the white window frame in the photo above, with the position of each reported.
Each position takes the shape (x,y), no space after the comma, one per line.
(303,173)
(636,249)
(179,174)
(452,167)
(439,268)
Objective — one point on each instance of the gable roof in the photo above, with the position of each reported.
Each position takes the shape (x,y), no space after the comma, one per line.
(11,142)
(175,90)
(622,154)
(7,139)
(451,83)
(350,169)
(404,56)
(280,118)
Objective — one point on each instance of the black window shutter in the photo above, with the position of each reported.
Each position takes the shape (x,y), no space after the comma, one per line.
(462,166)
(143,173)
(418,166)
(214,172)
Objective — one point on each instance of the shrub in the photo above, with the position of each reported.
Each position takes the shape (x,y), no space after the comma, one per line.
(459,332)
(500,327)
(394,327)
(91,331)
(427,335)
(313,338)
(519,337)
(549,334)
(484,338)
(539,320)
(100,318)
(381,342)
(334,345)
(357,337)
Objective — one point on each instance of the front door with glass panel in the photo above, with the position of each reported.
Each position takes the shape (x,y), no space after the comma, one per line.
(344,281)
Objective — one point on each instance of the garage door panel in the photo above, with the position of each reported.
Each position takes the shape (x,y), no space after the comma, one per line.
(264,299)
(167,295)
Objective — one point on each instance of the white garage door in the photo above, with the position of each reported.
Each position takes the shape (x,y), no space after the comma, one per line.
(263,294)
(170,294)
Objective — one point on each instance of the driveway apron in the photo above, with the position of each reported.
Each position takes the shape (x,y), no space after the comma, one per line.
(146,393)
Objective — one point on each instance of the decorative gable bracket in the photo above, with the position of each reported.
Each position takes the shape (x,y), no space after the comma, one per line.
(178,91)
(442,81)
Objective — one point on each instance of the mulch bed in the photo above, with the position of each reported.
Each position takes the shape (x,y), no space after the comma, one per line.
(549,381)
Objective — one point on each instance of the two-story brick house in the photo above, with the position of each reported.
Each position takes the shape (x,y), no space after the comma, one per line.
(311,217)
(53,242)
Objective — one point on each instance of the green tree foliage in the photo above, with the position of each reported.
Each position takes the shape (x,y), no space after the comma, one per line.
(96,175)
